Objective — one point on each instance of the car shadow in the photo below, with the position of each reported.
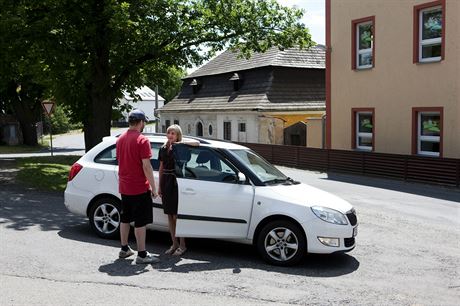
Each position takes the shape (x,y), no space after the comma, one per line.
(21,209)
(431,191)
(209,255)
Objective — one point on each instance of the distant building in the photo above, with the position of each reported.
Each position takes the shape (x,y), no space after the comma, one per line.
(393,83)
(146,103)
(252,100)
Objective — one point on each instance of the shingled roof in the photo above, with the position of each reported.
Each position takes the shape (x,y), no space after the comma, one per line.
(228,61)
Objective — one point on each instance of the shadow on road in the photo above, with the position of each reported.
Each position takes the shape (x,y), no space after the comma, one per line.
(23,209)
(209,255)
(431,191)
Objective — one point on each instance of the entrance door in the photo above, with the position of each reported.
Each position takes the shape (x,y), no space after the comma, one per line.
(212,203)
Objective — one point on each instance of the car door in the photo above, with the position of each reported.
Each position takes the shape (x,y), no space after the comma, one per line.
(212,203)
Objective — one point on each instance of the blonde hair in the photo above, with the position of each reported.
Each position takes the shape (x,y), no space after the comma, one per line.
(176,128)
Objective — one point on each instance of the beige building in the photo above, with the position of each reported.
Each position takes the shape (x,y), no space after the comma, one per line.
(393,76)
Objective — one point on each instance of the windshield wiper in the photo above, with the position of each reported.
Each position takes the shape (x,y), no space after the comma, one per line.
(276,181)
(293,181)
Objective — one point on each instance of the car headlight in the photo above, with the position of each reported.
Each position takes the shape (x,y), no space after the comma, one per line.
(329,215)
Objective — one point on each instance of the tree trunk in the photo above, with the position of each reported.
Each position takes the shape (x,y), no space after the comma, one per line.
(24,113)
(97,125)
(99,90)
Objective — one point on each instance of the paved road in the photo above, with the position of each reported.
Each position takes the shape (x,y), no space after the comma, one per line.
(407,253)
(64,144)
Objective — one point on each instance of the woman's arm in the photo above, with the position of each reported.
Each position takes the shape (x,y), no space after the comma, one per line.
(190,142)
(160,176)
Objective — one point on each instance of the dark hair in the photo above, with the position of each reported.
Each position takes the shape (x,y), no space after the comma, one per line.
(133,122)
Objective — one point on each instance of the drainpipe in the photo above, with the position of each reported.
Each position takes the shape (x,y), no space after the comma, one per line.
(323,133)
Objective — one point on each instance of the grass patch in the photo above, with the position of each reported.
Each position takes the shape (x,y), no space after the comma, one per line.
(43,145)
(45,172)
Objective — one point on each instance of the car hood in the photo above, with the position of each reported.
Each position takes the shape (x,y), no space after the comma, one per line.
(309,196)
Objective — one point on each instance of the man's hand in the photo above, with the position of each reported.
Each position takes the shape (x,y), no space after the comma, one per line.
(154,193)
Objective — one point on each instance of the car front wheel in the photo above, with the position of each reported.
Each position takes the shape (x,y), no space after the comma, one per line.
(104,218)
(281,243)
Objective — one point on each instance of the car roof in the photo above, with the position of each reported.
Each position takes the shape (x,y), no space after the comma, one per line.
(161,137)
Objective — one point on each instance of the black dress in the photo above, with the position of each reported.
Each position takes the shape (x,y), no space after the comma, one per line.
(168,181)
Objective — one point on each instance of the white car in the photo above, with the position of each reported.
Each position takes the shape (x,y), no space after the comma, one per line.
(226,191)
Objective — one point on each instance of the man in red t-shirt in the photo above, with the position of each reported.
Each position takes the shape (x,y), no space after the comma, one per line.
(136,186)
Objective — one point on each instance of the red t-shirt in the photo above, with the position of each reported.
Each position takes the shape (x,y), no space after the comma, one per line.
(132,148)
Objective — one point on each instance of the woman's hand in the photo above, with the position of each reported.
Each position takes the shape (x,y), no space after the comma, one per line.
(154,193)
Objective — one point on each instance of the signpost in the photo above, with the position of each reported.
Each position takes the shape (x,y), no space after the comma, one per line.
(48,107)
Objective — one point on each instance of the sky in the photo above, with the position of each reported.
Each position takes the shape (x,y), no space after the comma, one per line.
(314,16)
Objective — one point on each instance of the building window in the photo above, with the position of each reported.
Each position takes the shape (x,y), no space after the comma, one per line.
(429,24)
(210,130)
(242,127)
(227,130)
(176,122)
(427,127)
(199,129)
(363,129)
(196,86)
(167,123)
(363,43)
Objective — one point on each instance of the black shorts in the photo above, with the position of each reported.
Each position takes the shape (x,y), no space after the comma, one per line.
(137,208)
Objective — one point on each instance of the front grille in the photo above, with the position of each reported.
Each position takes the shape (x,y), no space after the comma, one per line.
(349,242)
(352,217)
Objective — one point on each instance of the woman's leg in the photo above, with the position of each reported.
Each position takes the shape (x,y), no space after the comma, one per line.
(172,229)
(181,239)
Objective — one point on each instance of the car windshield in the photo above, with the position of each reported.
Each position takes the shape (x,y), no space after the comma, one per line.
(266,172)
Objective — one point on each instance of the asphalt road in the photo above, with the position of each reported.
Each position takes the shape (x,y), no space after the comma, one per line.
(407,254)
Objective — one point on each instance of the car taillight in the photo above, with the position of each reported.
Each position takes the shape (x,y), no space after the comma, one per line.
(74,171)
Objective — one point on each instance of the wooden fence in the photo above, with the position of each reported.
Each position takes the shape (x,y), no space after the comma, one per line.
(433,170)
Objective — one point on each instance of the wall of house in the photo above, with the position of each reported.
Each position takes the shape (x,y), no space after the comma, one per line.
(315,133)
(250,120)
(189,121)
(147,106)
(395,85)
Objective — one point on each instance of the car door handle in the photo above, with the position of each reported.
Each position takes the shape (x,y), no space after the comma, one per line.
(189,191)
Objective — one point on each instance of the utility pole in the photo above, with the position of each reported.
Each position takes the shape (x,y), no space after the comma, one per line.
(156,110)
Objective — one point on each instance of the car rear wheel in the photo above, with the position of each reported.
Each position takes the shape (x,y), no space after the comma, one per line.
(104,218)
(281,243)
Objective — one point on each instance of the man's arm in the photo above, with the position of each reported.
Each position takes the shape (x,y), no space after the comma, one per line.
(148,171)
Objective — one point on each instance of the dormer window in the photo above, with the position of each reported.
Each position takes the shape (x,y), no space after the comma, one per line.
(236,79)
(196,85)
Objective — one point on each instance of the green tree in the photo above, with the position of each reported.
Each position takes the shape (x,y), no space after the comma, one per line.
(92,50)
(20,68)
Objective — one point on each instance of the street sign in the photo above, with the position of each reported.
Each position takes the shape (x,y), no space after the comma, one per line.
(48,106)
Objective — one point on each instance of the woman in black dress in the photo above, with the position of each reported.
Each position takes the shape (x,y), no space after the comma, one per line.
(168,186)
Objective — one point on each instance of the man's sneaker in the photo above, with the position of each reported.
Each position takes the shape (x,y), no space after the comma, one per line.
(125,254)
(147,259)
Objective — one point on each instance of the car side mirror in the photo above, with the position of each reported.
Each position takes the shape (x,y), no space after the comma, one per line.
(241,178)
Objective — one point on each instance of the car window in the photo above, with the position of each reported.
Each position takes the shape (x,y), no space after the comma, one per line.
(202,163)
(109,156)
(260,167)
(155,153)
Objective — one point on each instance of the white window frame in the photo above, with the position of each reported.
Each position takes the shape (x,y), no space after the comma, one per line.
(425,42)
(364,135)
(364,51)
(421,138)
